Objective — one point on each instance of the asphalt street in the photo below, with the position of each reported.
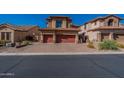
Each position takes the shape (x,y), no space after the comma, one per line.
(62,66)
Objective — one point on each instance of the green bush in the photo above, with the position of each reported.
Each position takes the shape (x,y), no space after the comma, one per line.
(120,45)
(26,42)
(90,45)
(108,45)
(3,42)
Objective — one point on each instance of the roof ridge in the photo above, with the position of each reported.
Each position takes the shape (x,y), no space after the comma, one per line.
(103,17)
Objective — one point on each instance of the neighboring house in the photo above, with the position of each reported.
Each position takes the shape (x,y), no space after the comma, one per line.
(104,28)
(59,30)
(14,34)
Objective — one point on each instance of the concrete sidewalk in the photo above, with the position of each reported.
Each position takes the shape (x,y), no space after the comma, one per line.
(66,53)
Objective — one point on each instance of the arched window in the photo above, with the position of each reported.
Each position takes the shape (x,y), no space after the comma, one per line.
(110,22)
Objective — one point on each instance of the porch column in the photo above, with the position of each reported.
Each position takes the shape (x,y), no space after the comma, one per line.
(41,37)
(99,37)
(64,24)
(5,36)
(54,37)
(12,37)
(111,37)
(76,38)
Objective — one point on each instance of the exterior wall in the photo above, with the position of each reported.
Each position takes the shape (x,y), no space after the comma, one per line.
(92,36)
(66,23)
(92,25)
(98,36)
(52,23)
(82,28)
(119,38)
(105,36)
(100,23)
(34,32)
(116,21)
(49,24)
(19,36)
(8,30)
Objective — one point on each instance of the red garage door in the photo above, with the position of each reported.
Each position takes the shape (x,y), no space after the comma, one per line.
(65,38)
(48,38)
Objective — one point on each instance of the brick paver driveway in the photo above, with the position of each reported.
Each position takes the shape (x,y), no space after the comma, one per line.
(45,48)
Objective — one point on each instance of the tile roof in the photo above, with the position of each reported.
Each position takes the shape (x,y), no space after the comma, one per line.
(19,28)
(50,17)
(59,29)
(98,18)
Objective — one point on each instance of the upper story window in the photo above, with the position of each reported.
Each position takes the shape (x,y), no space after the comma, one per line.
(110,22)
(58,23)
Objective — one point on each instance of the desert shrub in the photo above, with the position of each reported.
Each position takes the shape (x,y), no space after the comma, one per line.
(26,42)
(120,45)
(90,45)
(23,43)
(108,45)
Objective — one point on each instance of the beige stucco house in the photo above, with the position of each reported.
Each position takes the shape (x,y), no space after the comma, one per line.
(59,30)
(14,34)
(104,28)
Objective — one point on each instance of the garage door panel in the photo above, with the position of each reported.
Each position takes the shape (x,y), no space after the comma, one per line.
(65,38)
(48,38)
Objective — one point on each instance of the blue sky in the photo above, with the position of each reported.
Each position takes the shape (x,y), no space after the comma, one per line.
(39,19)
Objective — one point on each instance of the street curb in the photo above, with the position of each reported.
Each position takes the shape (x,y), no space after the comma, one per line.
(68,53)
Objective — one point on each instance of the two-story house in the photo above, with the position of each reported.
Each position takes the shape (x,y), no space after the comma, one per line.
(104,28)
(59,30)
